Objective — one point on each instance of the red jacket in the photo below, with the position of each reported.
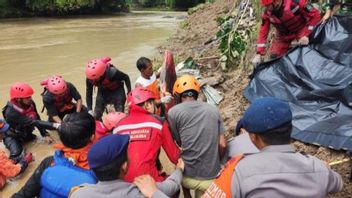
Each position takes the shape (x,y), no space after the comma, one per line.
(297,20)
(147,133)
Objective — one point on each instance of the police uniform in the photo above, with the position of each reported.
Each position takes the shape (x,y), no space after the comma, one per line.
(277,170)
(107,150)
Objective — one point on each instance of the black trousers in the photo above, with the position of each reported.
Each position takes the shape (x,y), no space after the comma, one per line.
(116,97)
(13,142)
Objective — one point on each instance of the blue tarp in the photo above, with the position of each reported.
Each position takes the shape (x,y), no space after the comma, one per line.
(316,80)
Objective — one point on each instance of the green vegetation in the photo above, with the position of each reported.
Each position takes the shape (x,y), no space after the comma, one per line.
(59,7)
(175,4)
(233,42)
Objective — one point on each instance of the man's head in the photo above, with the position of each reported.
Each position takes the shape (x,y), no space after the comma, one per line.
(268,121)
(76,130)
(108,157)
(96,68)
(186,88)
(56,85)
(145,66)
(142,97)
(21,93)
(272,5)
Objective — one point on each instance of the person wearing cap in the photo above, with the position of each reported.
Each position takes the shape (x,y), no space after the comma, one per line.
(57,98)
(22,116)
(108,160)
(7,167)
(293,20)
(68,167)
(148,133)
(199,130)
(110,82)
(277,170)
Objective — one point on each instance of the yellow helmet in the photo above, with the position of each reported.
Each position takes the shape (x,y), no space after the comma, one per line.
(186,83)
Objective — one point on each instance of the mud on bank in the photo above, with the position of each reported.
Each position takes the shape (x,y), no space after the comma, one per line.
(189,40)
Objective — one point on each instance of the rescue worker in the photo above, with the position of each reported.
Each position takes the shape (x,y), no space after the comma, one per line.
(149,80)
(7,167)
(148,77)
(277,170)
(294,20)
(22,116)
(56,175)
(57,98)
(344,7)
(110,82)
(148,133)
(199,130)
(110,121)
(108,160)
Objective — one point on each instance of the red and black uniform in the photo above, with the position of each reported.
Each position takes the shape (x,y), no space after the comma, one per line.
(60,105)
(148,133)
(22,121)
(294,20)
(110,91)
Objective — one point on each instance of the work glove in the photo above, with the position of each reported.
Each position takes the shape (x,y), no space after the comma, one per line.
(166,99)
(257,59)
(303,41)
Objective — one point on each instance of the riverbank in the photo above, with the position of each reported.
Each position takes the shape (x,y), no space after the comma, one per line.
(189,41)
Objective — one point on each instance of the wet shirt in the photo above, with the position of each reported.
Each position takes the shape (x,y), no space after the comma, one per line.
(282,172)
(114,75)
(24,124)
(49,99)
(197,127)
(120,188)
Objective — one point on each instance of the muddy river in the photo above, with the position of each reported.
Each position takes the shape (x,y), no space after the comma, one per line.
(35,48)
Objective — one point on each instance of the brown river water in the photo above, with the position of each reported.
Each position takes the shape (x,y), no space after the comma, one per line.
(33,49)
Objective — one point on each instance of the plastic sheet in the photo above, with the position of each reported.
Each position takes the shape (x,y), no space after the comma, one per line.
(316,80)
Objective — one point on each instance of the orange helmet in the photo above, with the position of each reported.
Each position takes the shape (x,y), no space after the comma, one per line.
(186,83)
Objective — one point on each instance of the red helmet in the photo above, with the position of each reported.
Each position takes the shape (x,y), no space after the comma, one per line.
(56,85)
(96,68)
(110,121)
(140,95)
(266,2)
(21,90)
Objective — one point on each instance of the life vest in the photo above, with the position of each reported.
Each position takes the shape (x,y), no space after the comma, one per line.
(106,82)
(29,112)
(57,181)
(221,186)
(291,21)
(63,102)
(154,88)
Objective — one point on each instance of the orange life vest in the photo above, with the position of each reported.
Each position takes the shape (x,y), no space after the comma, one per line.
(154,88)
(221,186)
(78,156)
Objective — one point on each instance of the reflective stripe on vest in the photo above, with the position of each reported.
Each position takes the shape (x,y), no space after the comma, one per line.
(221,186)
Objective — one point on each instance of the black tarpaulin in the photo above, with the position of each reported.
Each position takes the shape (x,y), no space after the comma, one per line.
(316,80)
